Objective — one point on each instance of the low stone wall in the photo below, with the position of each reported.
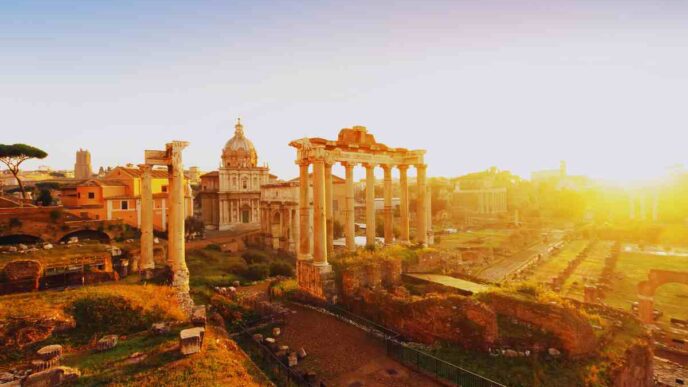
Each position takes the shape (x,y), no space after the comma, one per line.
(313,281)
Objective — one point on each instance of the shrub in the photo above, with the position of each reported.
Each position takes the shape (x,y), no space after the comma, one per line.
(255,256)
(238,268)
(112,314)
(257,271)
(214,247)
(281,268)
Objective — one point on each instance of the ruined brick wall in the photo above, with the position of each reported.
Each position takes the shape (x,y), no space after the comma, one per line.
(313,281)
(454,319)
(575,333)
(636,368)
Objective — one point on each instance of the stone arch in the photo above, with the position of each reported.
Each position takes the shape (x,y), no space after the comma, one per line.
(100,236)
(646,290)
(14,239)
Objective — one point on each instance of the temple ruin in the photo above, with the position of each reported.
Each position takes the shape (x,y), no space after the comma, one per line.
(353,147)
(171,157)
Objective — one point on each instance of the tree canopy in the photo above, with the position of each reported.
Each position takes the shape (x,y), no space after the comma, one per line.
(13,155)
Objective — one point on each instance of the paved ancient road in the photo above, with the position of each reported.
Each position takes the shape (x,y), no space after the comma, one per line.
(344,355)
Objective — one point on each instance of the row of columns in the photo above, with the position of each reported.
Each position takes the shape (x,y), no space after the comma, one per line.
(323,210)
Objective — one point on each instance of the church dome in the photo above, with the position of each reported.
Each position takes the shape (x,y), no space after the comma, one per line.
(239,150)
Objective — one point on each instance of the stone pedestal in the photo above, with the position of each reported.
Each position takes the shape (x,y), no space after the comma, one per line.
(316,279)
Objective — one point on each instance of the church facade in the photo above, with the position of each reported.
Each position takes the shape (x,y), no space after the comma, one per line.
(230,196)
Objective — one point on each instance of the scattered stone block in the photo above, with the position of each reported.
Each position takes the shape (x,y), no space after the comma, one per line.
(302,353)
(6,377)
(191,340)
(198,316)
(284,348)
(269,340)
(292,360)
(47,378)
(106,343)
(48,246)
(236,284)
(50,352)
(554,352)
(22,246)
(276,331)
(258,338)
(510,353)
(161,328)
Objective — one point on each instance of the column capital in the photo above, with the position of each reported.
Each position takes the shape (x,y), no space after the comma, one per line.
(303,162)
(369,165)
(145,167)
(402,167)
(348,164)
(386,167)
(421,166)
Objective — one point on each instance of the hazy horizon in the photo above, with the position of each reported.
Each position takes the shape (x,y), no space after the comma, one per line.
(517,85)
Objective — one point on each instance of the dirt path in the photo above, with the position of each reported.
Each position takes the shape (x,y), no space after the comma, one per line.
(344,355)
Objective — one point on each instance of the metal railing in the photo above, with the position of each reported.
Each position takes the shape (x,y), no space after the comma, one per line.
(281,374)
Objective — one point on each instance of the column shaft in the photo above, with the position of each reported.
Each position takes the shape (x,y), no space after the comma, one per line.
(319,209)
(329,210)
(349,212)
(147,262)
(404,203)
(421,210)
(370,204)
(304,213)
(389,225)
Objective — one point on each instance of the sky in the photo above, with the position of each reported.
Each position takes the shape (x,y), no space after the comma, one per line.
(518,85)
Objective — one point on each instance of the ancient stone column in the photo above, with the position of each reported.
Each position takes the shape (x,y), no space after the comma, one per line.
(329,210)
(304,213)
(421,209)
(370,204)
(404,205)
(349,212)
(176,235)
(389,226)
(319,218)
(147,262)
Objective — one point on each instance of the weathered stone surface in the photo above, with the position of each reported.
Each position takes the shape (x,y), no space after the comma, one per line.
(24,269)
(50,352)
(455,319)
(554,352)
(191,340)
(292,360)
(107,342)
(574,331)
(48,378)
(636,368)
(269,340)
(161,328)
(198,316)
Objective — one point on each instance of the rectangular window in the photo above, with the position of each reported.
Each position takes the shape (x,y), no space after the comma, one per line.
(78,195)
(164,188)
(125,205)
(91,195)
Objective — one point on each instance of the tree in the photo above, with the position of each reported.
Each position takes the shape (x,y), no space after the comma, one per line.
(13,155)
(45,198)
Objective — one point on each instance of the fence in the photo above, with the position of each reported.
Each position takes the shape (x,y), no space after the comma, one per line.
(268,362)
(396,348)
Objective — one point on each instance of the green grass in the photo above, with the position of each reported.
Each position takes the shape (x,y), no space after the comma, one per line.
(558,262)
(633,268)
(590,269)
